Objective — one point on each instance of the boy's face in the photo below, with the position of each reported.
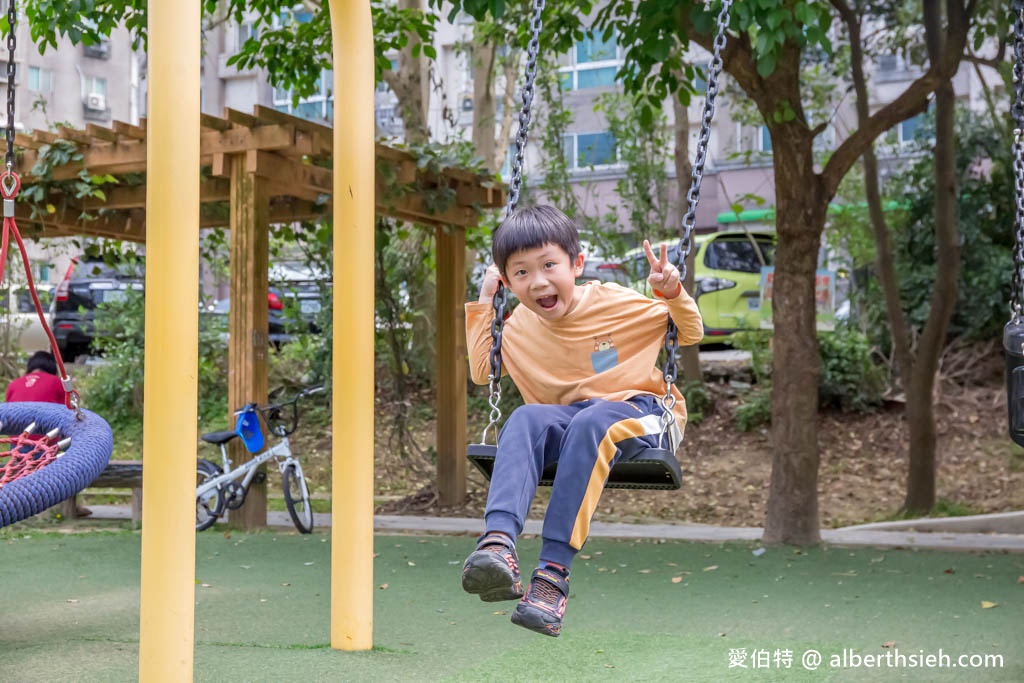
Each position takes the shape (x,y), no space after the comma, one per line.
(544,280)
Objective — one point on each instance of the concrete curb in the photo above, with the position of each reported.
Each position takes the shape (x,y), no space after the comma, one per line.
(851,536)
(995,523)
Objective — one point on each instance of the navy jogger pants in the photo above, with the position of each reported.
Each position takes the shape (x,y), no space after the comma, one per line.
(585,439)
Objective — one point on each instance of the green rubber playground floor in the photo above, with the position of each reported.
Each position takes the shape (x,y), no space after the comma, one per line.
(640,611)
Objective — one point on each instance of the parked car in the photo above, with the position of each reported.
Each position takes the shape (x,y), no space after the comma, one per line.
(727,277)
(86,285)
(289,311)
(19,323)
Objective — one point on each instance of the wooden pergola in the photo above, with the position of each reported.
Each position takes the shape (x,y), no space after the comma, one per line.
(269,167)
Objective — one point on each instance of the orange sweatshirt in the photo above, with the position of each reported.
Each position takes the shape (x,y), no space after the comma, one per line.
(607,347)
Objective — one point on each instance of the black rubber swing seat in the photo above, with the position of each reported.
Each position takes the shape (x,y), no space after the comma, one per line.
(648,468)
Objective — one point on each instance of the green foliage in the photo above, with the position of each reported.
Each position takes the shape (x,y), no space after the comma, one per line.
(45,188)
(295,52)
(114,388)
(698,401)
(850,378)
(985,209)
(755,411)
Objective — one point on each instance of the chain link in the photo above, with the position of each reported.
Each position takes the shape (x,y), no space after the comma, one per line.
(12,20)
(532,50)
(515,184)
(668,401)
(1017,111)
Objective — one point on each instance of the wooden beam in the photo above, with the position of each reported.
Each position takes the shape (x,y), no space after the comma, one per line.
(44,137)
(247,319)
(241,119)
(238,140)
(290,177)
(129,131)
(213,122)
(78,137)
(101,132)
(451,366)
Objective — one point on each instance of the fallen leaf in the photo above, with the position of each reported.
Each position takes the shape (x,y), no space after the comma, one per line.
(308,564)
(383,586)
(585,557)
(609,666)
(643,571)
(285,584)
(1020,579)
(72,600)
(985,604)
(501,612)
(711,568)
(949,571)
(411,564)
(677,579)
(205,585)
(891,643)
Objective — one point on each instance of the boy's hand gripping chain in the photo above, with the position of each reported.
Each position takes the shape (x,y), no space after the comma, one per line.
(515,183)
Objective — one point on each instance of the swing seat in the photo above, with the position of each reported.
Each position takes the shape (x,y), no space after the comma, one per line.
(647,468)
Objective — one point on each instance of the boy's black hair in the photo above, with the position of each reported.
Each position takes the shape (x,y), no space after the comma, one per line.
(531,227)
(42,360)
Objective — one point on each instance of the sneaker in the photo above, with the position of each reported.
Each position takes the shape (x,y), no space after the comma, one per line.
(543,607)
(492,570)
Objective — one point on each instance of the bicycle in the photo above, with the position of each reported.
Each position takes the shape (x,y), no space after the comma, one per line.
(219,489)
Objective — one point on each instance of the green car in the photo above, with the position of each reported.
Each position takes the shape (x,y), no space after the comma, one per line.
(727,278)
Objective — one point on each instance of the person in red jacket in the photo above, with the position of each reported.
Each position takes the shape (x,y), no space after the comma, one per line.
(39,383)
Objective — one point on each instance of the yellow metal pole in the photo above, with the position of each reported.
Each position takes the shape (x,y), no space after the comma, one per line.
(167,616)
(352,453)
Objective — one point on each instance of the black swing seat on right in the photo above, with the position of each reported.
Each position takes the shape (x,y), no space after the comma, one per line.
(647,468)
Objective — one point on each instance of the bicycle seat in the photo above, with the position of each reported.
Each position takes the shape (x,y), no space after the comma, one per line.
(218,437)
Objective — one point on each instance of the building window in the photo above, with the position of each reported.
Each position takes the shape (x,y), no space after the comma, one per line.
(40,80)
(910,131)
(764,140)
(96,86)
(589,150)
(317,107)
(243,33)
(593,64)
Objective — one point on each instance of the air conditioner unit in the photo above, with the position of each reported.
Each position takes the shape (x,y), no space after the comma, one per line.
(95,102)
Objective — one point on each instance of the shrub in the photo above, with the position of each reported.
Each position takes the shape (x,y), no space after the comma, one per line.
(850,379)
(755,411)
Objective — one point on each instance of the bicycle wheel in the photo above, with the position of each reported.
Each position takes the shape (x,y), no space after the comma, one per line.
(296,498)
(211,505)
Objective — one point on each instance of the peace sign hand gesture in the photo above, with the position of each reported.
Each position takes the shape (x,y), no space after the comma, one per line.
(664,277)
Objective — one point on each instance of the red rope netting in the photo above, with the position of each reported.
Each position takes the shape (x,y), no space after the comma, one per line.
(25,453)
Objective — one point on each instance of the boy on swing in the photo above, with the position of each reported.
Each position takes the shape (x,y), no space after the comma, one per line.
(584,359)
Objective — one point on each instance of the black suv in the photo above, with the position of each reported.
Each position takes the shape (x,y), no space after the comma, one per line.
(86,285)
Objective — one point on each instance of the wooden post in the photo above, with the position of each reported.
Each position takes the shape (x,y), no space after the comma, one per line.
(451,365)
(247,319)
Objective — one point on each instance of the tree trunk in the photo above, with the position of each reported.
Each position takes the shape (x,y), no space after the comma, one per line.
(410,85)
(690,355)
(921,389)
(792,515)
(484,109)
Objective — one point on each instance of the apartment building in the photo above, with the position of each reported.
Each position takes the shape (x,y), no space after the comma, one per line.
(739,160)
(74,85)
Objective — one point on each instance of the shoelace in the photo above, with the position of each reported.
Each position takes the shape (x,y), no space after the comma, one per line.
(544,592)
(508,556)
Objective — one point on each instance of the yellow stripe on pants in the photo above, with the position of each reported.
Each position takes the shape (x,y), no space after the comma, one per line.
(620,431)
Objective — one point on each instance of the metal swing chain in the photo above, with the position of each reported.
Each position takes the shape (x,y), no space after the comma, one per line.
(10,184)
(12,42)
(671,370)
(515,184)
(1017,112)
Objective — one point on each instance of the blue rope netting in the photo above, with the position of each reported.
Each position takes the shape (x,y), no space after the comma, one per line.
(86,457)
